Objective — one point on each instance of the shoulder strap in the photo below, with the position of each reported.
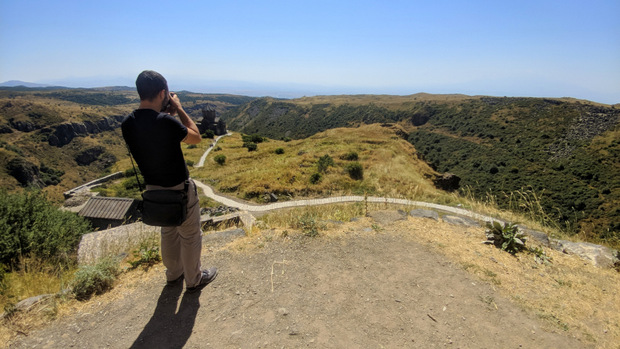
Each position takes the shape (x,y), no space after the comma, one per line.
(135,172)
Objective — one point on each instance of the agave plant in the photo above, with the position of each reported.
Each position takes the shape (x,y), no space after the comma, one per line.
(507,237)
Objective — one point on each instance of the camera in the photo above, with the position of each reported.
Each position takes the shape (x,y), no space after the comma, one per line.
(166,103)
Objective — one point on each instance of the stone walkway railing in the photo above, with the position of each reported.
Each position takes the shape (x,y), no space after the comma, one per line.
(596,254)
(208,191)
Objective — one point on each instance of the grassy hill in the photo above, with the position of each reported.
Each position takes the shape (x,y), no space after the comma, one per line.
(390,165)
(558,156)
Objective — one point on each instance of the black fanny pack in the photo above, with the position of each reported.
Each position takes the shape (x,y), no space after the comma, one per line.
(164,208)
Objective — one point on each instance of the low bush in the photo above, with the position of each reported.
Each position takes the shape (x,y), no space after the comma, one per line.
(254,138)
(146,255)
(315,178)
(351,156)
(325,162)
(507,237)
(220,159)
(308,225)
(95,279)
(279,151)
(131,172)
(250,145)
(50,176)
(208,134)
(355,170)
(131,183)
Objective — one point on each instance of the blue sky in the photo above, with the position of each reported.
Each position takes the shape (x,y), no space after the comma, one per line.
(293,48)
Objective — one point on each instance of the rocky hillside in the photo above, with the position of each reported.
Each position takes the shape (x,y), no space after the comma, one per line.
(59,138)
(558,156)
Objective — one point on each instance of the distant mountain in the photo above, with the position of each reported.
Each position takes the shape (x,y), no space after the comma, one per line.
(18,83)
(114,88)
(15,83)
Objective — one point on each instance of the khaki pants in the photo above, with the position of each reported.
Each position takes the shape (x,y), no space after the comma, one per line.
(181,246)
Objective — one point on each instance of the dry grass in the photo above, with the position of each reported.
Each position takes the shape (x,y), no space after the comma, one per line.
(34,277)
(40,315)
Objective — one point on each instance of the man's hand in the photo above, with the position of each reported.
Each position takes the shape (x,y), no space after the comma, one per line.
(175,104)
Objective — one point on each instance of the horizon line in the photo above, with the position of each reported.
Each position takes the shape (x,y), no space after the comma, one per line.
(276,90)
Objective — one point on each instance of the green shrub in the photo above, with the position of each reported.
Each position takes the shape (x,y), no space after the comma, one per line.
(146,255)
(208,134)
(50,176)
(14,149)
(352,156)
(308,225)
(192,146)
(189,163)
(355,170)
(279,151)
(131,172)
(251,146)
(31,226)
(254,138)
(324,162)
(220,159)
(131,183)
(315,178)
(95,279)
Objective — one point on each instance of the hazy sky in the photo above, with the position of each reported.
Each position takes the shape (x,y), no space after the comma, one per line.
(291,48)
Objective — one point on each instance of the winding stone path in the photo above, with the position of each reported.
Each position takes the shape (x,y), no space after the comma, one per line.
(201,163)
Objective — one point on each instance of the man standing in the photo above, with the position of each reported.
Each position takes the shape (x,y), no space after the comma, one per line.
(154,138)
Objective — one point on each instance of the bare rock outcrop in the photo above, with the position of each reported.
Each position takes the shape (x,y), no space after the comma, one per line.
(447,182)
(62,134)
(26,173)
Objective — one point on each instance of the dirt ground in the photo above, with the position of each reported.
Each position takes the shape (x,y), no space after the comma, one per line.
(364,284)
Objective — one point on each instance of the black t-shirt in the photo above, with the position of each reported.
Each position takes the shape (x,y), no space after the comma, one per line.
(154,140)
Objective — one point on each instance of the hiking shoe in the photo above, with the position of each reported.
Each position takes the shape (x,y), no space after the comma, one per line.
(205,279)
(175,281)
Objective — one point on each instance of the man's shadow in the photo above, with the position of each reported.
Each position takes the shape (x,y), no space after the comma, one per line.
(169,328)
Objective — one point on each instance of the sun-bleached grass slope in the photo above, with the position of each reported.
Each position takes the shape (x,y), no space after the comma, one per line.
(391,166)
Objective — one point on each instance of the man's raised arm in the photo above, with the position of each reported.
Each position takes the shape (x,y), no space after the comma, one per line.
(193,134)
